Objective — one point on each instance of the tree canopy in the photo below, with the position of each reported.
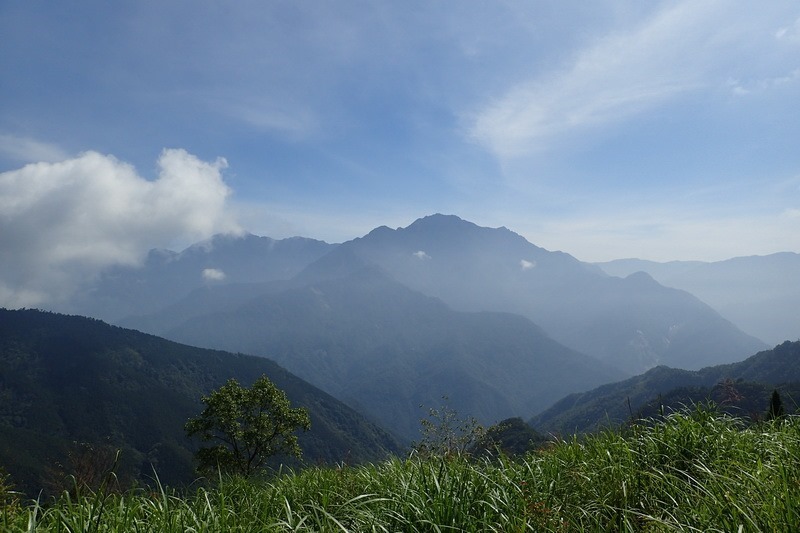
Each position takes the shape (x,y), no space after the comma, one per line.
(248,426)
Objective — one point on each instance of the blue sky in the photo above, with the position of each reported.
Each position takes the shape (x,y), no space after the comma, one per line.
(608,129)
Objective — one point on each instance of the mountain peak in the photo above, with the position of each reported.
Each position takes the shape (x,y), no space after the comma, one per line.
(439,222)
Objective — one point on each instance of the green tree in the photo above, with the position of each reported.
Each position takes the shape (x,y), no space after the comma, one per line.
(775,406)
(248,426)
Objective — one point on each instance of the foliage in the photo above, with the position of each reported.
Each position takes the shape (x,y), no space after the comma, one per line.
(9,499)
(511,437)
(87,468)
(775,406)
(692,471)
(742,389)
(249,426)
(446,434)
(69,379)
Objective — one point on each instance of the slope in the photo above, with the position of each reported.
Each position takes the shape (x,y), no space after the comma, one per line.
(759,293)
(632,323)
(67,379)
(387,350)
(168,276)
(745,386)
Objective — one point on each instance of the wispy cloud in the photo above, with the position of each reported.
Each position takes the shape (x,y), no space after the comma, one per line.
(742,88)
(64,222)
(26,150)
(661,234)
(684,47)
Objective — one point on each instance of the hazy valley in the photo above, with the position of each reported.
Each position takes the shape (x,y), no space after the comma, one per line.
(387,324)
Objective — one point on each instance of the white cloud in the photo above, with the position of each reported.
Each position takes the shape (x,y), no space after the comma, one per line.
(685,47)
(293,120)
(213,274)
(421,255)
(526,265)
(27,150)
(64,222)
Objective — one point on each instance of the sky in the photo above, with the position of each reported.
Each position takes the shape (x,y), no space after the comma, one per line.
(606,129)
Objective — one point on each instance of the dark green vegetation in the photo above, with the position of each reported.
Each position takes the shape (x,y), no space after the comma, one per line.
(73,390)
(743,389)
(694,472)
(246,426)
(385,350)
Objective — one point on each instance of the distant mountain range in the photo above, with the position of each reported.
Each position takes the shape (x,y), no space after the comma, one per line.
(759,294)
(387,350)
(632,323)
(742,388)
(66,380)
(401,317)
(168,276)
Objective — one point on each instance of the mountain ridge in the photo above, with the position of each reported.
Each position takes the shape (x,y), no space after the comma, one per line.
(615,403)
(349,334)
(68,379)
(757,293)
(474,268)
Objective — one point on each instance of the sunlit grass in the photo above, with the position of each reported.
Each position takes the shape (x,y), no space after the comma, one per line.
(690,472)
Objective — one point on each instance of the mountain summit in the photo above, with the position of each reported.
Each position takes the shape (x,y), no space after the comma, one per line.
(632,323)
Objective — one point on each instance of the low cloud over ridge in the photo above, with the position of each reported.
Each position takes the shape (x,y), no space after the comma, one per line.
(64,222)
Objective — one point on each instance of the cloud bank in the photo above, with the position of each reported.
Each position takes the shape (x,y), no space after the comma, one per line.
(64,222)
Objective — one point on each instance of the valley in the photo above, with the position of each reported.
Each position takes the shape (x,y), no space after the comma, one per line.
(367,335)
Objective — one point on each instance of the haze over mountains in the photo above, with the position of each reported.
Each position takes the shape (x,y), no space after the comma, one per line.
(742,389)
(631,323)
(759,293)
(386,350)
(167,276)
(400,317)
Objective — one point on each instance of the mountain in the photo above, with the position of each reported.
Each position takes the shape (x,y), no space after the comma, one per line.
(744,386)
(759,293)
(68,379)
(386,350)
(168,276)
(633,323)
(228,297)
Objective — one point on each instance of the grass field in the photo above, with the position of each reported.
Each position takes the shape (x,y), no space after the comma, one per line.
(697,471)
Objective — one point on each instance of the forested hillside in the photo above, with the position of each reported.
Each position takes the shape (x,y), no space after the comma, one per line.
(70,384)
(742,388)
(386,350)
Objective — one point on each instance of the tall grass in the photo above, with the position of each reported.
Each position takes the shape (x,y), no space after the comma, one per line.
(696,471)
